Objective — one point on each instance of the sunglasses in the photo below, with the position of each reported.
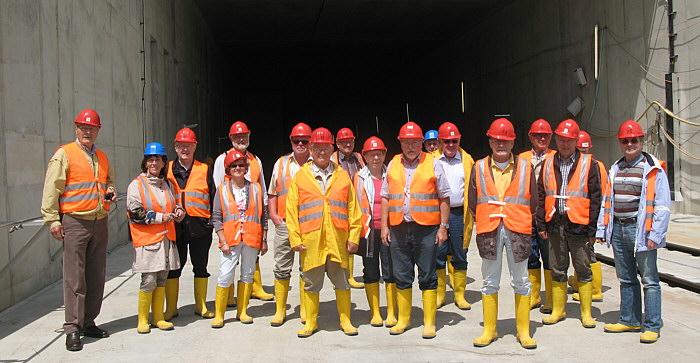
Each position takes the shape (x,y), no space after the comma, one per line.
(300,142)
(237,166)
(452,141)
(632,140)
(540,136)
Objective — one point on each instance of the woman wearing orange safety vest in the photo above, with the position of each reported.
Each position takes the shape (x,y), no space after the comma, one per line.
(239,218)
(153,211)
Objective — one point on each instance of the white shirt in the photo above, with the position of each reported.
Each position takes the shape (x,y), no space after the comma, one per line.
(454,171)
(219,173)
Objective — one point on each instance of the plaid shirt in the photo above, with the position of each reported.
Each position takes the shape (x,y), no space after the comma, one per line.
(564,169)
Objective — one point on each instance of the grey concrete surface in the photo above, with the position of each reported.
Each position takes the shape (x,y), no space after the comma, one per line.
(30,330)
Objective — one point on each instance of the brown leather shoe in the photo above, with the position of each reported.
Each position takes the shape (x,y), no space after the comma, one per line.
(94,332)
(73,342)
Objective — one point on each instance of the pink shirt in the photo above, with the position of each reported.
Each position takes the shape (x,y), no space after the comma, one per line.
(377,212)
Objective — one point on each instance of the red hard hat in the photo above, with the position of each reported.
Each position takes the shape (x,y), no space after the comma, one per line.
(301,129)
(540,126)
(584,140)
(501,129)
(373,143)
(88,117)
(630,128)
(345,134)
(186,135)
(410,130)
(238,128)
(231,157)
(321,136)
(567,128)
(448,131)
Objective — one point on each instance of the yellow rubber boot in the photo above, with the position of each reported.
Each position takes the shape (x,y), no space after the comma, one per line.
(302,300)
(460,285)
(244,291)
(490,306)
(441,286)
(231,299)
(429,310)
(220,303)
(311,307)
(536,281)
(450,271)
(621,328)
(558,304)
(144,307)
(157,306)
(522,322)
(351,280)
(172,289)
(372,292)
(281,293)
(597,273)
(200,298)
(405,303)
(390,305)
(342,301)
(649,337)
(258,290)
(573,282)
(546,308)
(585,290)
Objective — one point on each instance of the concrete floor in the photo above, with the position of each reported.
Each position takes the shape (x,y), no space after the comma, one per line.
(31,330)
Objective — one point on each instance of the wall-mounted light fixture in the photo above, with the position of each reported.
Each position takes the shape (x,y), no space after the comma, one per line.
(580,77)
(575,106)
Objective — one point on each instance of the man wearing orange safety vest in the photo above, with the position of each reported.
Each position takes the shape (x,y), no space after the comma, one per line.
(540,136)
(503,199)
(194,188)
(78,192)
(282,173)
(352,161)
(570,196)
(239,134)
(634,220)
(415,213)
(584,145)
(324,222)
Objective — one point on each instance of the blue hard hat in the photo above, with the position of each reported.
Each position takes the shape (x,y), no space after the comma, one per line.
(431,135)
(154,148)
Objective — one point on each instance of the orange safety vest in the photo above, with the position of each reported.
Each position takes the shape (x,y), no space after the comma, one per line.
(513,208)
(83,190)
(527,155)
(242,226)
(577,199)
(363,200)
(148,234)
(603,177)
(424,203)
(253,165)
(335,157)
(195,197)
(311,202)
(650,197)
(284,178)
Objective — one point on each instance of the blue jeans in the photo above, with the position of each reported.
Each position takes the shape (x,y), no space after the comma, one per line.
(627,262)
(413,245)
(539,251)
(454,244)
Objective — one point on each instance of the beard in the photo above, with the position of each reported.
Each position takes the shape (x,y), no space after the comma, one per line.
(241,146)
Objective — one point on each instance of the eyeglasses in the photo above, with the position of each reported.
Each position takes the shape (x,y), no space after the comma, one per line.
(86,128)
(300,142)
(237,165)
(632,140)
(452,141)
(184,146)
(540,136)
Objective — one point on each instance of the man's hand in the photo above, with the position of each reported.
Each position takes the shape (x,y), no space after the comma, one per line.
(299,248)
(651,245)
(543,234)
(168,217)
(57,232)
(179,215)
(276,220)
(441,236)
(225,248)
(110,197)
(386,236)
(591,240)
(263,248)
(352,247)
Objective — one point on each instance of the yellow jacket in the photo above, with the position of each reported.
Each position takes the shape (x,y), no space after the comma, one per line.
(328,241)
(468,163)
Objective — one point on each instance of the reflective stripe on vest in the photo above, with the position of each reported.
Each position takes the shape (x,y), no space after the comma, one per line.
(312,202)
(195,196)
(577,199)
(83,191)
(245,226)
(282,184)
(363,201)
(424,202)
(148,234)
(513,209)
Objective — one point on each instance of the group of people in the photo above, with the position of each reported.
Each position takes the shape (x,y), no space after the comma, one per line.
(542,208)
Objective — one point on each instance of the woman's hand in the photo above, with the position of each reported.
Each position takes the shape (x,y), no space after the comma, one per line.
(168,217)
(263,248)
(179,215)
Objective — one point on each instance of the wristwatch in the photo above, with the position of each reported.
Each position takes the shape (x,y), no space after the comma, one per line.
(446,225)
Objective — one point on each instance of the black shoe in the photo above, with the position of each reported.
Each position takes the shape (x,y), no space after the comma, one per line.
(73,342)
(94,332)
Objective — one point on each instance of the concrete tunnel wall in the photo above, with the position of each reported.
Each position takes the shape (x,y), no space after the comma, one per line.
(59,57)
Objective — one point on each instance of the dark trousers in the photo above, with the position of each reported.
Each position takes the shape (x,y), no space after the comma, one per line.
(375,253)
(199,253)
(561,245)
(455,242)
(539,252)
(413,245)
(84,264)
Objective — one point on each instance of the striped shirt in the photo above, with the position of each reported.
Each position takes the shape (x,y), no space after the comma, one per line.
(627,187)
(564,169)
